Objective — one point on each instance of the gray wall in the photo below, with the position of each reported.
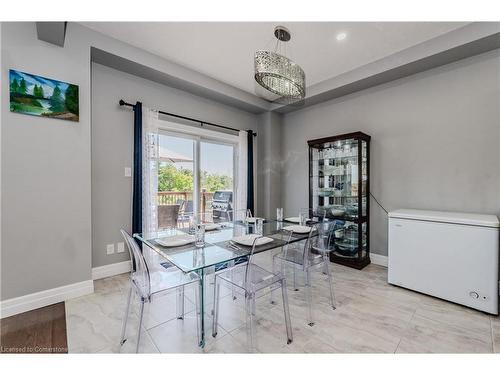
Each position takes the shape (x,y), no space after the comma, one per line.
(112,136)
(435,145)
(435,141)
(269,170)
(46,230)
(46,226)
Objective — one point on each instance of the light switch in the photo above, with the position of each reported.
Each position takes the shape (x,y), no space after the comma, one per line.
(128,172)
(120,247)
(110,248)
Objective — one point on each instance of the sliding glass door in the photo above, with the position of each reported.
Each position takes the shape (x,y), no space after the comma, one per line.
(176,178)
(191,169)
(216,177)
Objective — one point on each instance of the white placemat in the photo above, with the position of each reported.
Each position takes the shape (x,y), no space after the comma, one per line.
(248,239)
(178,240)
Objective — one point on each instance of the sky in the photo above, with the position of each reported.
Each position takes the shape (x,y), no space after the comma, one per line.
(215,158)
(32,80)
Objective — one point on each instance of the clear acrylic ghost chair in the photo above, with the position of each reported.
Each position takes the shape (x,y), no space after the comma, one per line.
(251,280)
(220,217)
(239,216)
(313,215)
(210,221)
(205,217)
(149,281)
(314,254)
(229,218)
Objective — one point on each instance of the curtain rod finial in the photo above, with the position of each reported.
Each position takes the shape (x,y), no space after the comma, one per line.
(121,102)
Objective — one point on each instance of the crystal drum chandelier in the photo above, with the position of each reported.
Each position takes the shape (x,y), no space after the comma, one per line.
(278,74)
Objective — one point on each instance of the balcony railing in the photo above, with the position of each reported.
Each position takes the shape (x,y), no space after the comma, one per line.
(172,197)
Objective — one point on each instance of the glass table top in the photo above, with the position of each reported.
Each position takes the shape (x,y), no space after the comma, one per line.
(218,247)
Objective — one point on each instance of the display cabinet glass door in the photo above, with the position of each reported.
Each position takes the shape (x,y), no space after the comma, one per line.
(339,168)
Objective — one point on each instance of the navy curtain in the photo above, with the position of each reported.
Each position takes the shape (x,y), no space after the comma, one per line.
(137,188)
(250,203)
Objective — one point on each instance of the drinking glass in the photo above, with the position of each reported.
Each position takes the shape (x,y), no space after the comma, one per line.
(279,225)
(192,224)
(279,214)
(199,235)
(303,218)
(259,226)
(248,215)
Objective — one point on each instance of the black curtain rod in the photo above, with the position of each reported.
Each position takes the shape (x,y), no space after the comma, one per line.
(124,103)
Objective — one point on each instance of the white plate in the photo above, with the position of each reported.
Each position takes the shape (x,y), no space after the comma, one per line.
(178,240)
(253,219)
(248,239)
(296,219)
(297,228)
(336,212)
(211,226)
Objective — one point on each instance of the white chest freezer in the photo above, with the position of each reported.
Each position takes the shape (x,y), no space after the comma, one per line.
(450,255)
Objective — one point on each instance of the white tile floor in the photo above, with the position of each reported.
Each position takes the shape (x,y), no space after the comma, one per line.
(371,316)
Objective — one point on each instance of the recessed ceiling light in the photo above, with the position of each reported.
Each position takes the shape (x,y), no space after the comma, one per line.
(341,36)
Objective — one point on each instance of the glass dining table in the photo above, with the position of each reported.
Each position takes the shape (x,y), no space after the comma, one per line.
(218,253)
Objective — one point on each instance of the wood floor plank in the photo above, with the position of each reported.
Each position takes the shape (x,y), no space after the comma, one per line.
(38,331)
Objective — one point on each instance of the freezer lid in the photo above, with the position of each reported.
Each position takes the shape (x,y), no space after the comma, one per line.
(447,217)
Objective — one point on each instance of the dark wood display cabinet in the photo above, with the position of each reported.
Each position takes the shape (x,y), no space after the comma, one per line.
(339,187)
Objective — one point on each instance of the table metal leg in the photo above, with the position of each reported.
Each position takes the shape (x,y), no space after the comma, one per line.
(201,344)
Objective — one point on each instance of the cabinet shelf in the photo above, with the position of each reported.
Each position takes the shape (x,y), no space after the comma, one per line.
(351,157)
(333,175)
(348,218)
(332,195)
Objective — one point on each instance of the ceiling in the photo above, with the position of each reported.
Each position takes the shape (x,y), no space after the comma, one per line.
(224,50)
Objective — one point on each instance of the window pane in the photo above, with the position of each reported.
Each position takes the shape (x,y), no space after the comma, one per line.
(175,179)
(216,174)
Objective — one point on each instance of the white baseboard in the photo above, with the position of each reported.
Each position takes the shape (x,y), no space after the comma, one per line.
(111,270)
(48,297)
(381,260)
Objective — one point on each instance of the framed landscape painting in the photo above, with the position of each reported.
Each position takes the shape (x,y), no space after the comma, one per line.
(39,96)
